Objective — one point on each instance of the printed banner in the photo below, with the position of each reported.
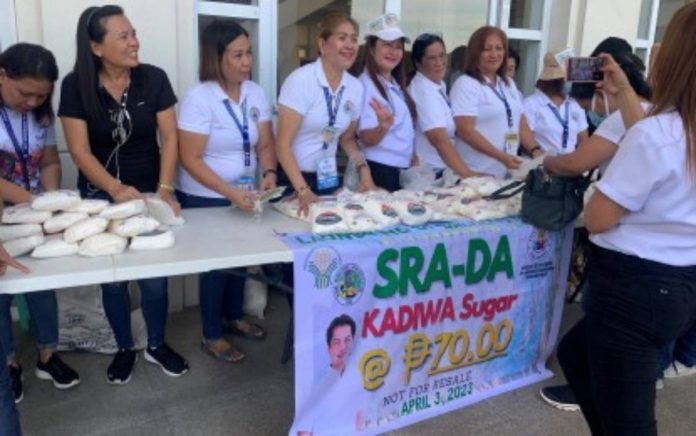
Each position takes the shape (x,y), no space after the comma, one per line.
(397,326)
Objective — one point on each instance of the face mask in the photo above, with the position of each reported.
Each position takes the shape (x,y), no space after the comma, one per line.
(566,87)
(593,116)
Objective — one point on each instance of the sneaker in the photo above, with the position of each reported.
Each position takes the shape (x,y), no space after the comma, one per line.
(560,397)
(677,369)
(61,374)
(17,379)
(121,368)
(171,363)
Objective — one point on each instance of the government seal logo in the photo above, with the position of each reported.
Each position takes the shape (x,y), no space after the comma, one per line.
(349,284)
(322,262)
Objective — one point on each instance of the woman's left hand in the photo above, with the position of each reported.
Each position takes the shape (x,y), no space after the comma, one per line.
(170,198)
(615,80)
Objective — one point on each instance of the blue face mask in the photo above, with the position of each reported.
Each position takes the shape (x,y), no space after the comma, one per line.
(595,118)
(566,87)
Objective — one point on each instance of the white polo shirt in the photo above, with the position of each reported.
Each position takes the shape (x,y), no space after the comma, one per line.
(396,147)
(434,112)
(303,92)
(39,137)
(547,128)
(649,177)
(613,130)
(472,98)
(203,111)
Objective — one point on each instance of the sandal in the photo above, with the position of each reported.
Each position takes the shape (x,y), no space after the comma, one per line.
(231,355)
(254,331)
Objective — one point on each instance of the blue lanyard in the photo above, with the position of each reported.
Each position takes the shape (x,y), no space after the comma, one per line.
(447,100)
(501,96)
(564,123)
(22,149)
(243,129)
(332,110)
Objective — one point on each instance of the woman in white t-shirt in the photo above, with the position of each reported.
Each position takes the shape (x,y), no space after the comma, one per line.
(643,272)
(318,108)
(435,123)
(487,107)
(224,128)
(29,163)
(557,121)
(386,129)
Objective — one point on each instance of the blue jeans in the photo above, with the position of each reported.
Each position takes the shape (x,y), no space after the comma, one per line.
(221,295)
(43,310)
(154,301)
(9,418)
(611,357)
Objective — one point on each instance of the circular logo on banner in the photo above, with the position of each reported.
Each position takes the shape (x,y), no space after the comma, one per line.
(538,244)
(254,114)
(349,284)
(322,262)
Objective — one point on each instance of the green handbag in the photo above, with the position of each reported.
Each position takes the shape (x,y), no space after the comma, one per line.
(552,202)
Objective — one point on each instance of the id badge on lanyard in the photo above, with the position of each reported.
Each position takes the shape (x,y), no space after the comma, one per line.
(247,181)
(512,138)
(327,170)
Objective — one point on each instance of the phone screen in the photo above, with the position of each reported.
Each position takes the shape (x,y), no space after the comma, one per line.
(585,70)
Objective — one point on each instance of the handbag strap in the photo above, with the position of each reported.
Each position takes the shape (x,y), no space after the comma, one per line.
(507,191)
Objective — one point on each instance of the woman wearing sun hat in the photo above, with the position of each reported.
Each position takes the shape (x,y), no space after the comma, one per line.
(557,121)
(386,127)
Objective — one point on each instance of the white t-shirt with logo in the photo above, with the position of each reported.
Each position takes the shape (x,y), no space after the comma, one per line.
(39,137)
(472,98)
(434,112)
(396,147)
(303,92)
(547,128)
(203,111)
(649,177)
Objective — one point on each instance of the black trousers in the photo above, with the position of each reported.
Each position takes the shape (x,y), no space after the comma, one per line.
(611,357)
(385,176)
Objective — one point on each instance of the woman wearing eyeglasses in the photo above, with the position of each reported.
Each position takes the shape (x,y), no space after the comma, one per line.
(224,124)
(30,165)
(113,110)
(435,123)
(487,107)
(386,129)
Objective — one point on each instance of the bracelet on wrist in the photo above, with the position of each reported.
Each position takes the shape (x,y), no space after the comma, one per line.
(165,186)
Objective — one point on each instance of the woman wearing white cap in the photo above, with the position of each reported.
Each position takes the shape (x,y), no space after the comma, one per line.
(386,126)
(318,108)
(487,107)
(557,121)
(435,124)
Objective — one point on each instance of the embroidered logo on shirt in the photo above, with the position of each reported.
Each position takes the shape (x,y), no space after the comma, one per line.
(348,106)
(254,114)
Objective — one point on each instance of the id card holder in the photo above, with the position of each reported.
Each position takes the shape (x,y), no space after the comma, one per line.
(246,182)
(328,134)
(327,173)
(512,143)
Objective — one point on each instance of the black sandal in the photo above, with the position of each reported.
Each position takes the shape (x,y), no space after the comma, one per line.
(255,332)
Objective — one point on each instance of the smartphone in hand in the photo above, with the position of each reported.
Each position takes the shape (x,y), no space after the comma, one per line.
(584,69)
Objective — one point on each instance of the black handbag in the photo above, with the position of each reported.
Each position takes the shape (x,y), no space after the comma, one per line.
(552,202)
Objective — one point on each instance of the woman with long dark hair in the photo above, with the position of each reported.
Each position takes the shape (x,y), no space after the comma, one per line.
(643,272)
(120,125)
(28,144)
(386,127)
